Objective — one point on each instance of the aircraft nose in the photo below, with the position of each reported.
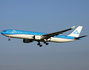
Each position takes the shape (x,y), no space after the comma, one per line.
(2,33)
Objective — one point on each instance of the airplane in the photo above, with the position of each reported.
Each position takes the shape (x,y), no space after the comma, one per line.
(29,36)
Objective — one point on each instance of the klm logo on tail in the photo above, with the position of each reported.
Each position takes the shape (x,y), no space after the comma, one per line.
(76,32)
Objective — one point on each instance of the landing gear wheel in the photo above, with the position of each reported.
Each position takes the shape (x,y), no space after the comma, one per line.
(40,45)
(47,43)
(8,39)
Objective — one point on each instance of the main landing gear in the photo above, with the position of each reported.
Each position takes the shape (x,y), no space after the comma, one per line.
(46,43)
(40,44)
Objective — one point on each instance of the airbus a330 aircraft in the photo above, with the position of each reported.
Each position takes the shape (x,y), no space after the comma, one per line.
(29,36)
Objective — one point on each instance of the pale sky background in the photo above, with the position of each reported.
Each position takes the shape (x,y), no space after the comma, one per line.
(44,16)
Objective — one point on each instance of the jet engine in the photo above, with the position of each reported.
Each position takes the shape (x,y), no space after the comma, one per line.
(27,41)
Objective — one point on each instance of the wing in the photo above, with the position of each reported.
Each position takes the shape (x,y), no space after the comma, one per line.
(46,36)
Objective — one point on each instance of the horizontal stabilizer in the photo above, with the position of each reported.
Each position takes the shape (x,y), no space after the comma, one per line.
(80,37)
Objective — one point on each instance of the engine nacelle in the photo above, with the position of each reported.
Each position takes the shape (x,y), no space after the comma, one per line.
(27,41)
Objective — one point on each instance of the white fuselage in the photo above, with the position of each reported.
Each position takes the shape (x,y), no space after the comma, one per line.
(26,36)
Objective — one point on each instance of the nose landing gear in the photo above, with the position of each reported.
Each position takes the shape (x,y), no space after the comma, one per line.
(9,39)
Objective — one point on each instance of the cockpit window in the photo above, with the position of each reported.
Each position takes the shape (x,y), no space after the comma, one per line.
(4,31)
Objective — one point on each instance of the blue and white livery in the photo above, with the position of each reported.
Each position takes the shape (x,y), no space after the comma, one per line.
(29,36)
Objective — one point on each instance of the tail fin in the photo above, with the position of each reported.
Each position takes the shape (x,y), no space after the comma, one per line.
(76,32)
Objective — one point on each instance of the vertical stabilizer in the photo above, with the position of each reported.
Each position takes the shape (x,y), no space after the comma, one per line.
(76,32)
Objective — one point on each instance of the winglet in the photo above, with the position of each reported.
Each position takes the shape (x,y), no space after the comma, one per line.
(73,27)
